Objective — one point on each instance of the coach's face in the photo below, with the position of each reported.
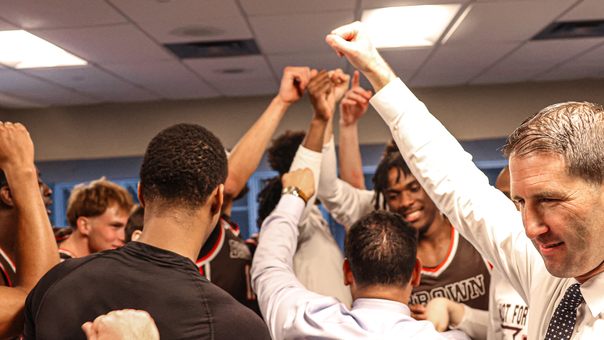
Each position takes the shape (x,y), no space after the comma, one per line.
(563,215)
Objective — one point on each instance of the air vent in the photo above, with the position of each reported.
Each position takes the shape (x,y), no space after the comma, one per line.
(572,29)
(214,49)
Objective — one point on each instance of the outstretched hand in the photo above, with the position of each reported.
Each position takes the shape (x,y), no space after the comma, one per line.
(16,147)
(302,179)
(353,41)
(124,324)
(293,84)
(340,82)
(355,102)
(321,92)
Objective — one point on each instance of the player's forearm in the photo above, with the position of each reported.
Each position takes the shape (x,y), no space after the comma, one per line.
(351,164)
(246,155)
(316,132)
(12,301)
(36,247)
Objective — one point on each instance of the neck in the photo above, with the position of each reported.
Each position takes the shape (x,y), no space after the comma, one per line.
(583,278)
(181,232)
(8,233)
(77,244)
(392,293)
(438,233)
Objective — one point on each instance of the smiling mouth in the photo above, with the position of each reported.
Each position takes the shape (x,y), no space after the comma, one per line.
(410,217)
(552,245)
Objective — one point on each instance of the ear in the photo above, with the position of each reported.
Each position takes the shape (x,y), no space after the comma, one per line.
(83,224)
(136,234)
(348,277)
(139,193)
(218,199)
(6,196)
(417,272)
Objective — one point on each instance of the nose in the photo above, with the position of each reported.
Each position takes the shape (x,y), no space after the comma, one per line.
(407,199)
(534,225)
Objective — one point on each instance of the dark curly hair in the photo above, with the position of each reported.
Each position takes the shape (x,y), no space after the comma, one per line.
(391,160)
(280,154)
(183,164)
(381,249)
(135,221)
(3,180)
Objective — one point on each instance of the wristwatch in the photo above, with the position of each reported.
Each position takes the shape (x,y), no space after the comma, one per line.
(296,192)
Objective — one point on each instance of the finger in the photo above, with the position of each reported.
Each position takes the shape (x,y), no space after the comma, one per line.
(348,102)
(356,97)
(355,79)
(87,328)
(339,45)
(305,76)
(365,94)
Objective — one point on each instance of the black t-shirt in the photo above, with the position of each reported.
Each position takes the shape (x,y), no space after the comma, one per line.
(226,260)
(183,303)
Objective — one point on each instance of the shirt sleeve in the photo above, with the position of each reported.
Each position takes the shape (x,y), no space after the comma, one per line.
(481,213)
(280,294)
(306,158)
(343,201)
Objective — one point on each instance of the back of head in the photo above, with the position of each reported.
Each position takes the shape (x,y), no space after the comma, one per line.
(135,221)
(392,159)
(280,155)
(182,165)
(93,199)
(574,130)
(381,249)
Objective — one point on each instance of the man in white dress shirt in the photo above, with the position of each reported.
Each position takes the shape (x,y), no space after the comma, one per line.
(381,269)
(557,175)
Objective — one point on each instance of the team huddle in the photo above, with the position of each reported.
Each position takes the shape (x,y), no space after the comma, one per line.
(432,252)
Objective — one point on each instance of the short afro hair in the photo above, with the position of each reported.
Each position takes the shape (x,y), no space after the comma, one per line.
(282,151)
(183,164)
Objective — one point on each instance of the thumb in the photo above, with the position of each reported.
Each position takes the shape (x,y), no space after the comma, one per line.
(355,79)
(87,328)
(338,44)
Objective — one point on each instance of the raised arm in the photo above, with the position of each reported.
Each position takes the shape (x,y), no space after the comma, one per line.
(481,213)
(246,155)
(36,247)
(352,108)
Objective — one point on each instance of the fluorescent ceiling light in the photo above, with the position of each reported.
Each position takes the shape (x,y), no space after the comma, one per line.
(20,49)
(408,25)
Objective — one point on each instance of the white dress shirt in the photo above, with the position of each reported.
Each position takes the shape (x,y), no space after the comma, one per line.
(481,213)
(292,312)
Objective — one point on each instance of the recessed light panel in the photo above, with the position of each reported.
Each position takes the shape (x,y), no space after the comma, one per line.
(20,49)
(408,25)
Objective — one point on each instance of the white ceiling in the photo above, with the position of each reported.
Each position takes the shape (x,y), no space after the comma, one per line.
(123,42)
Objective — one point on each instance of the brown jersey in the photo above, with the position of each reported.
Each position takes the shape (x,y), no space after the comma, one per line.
(65,254)
(464,277)
(226,261)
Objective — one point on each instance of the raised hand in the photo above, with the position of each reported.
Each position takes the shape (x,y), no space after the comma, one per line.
(355,102)
(353,41)
(16,147)
(320,90)
(340,82)
(294,83)
(302,179)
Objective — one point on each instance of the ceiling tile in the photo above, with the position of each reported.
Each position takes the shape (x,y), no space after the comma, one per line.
(370,4)
(179,31)
(27,87)
(7,101)
(534,58)
(269,7)
(586,10)
(302,33)
(327,61)
(170,79)
(142,11)
(247,87)
(405,62)
(507,21)
(457,64)
(251,67)
(107,45)
(35,14)
(75,77)
(588,65)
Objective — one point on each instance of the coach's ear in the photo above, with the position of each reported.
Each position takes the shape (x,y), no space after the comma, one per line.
(348,277)
(6,196)
(417,272)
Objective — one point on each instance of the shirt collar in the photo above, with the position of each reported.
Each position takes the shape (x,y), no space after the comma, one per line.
(592,293)
(381,304)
